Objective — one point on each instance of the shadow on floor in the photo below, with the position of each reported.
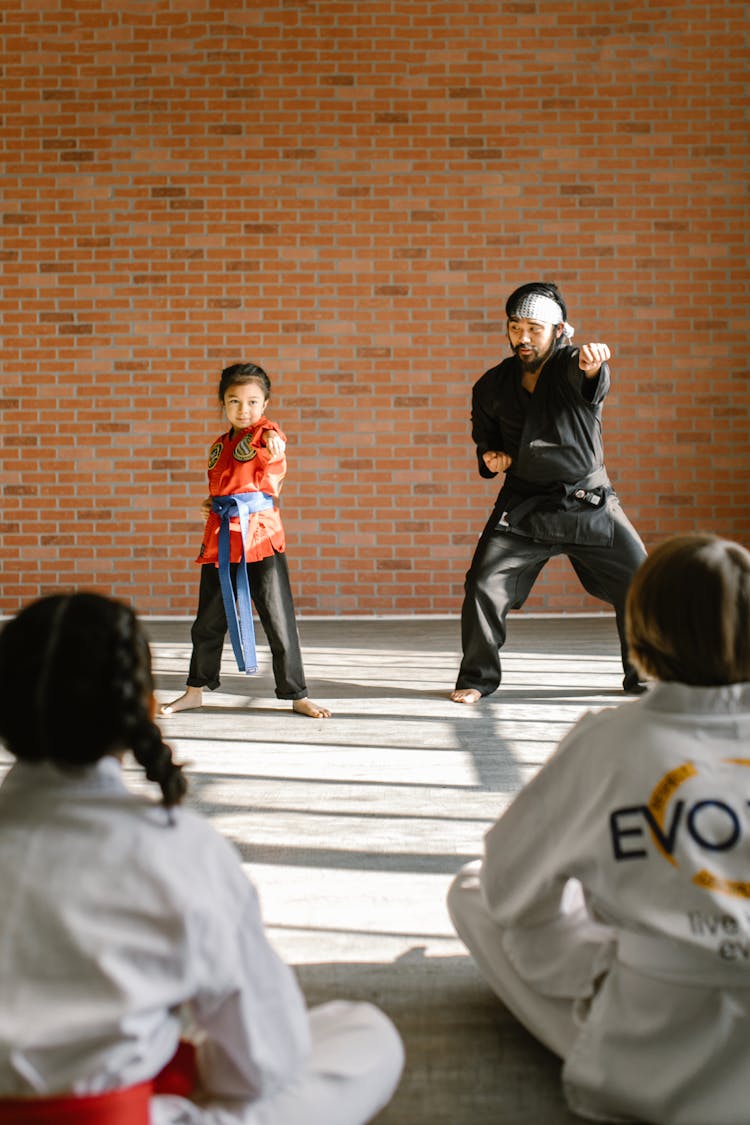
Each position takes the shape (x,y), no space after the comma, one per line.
(352,828)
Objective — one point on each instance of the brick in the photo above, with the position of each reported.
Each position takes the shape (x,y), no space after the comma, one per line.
(347,194)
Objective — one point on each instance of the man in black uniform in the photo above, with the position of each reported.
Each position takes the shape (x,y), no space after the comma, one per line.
(537,418)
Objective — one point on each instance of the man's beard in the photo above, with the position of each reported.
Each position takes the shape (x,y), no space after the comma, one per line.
(537,361)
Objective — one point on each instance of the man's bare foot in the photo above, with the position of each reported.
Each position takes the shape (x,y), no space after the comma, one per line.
(192,697)
(312,710)
(466,695)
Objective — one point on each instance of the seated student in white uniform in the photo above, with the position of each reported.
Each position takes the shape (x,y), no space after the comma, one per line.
(128,923)
(611,910)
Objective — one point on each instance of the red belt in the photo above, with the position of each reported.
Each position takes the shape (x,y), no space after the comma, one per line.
(116,1107)
(129,1106)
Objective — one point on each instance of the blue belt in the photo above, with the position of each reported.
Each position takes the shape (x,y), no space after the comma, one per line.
(241,629)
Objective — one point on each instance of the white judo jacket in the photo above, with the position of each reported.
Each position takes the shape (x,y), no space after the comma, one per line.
(117,926)
(646,807)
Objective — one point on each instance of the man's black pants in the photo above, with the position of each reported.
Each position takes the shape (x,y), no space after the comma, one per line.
(503,571)
(271,593)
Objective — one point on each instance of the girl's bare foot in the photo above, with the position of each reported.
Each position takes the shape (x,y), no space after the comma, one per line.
(466,695)
(192,697)
(312,710)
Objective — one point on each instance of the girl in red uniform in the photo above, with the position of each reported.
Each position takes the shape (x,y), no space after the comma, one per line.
(248,461)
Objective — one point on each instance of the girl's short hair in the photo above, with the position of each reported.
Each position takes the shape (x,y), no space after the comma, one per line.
(688,612)
(239,373)
(76,685)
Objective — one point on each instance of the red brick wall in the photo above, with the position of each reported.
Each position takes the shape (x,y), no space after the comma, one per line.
(345,191)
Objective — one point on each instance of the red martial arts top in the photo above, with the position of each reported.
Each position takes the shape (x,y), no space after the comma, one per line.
(238,461)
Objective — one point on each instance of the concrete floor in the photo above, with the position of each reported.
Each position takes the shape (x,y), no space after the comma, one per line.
(353,827)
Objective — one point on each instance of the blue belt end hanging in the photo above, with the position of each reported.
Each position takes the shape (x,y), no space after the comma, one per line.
(239,609)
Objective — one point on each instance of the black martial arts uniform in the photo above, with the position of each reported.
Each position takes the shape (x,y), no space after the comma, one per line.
(556,500)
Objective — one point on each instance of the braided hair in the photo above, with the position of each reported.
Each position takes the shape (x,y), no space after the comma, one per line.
(76,685)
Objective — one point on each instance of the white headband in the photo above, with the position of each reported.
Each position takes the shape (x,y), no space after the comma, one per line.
(536,306)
